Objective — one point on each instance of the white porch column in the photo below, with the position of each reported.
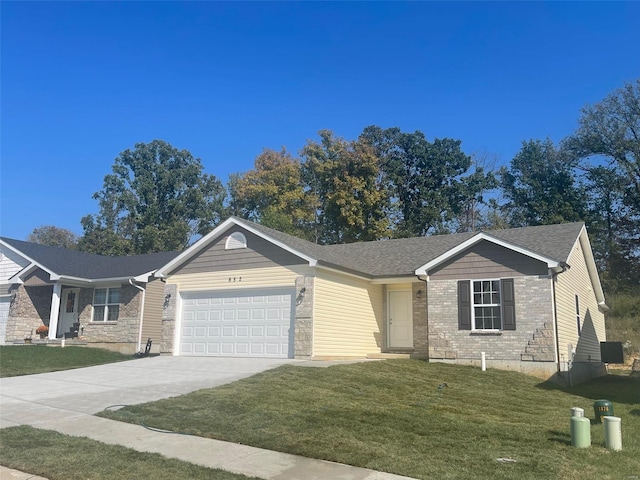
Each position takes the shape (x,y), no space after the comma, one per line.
(55,310)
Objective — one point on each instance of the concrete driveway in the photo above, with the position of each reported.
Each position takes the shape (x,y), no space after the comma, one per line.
(31,399)
(66,401)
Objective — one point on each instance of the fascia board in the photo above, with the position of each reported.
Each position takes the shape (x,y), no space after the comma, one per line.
(16,277)
(27,258)
(393,280)
(97,281)
(592,269)
(312,261)
(195,248)
(216,232)
(424,269)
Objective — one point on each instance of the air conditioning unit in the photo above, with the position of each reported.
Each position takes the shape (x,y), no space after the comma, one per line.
(611,352)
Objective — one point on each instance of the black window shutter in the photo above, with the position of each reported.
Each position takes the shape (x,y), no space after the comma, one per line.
(464,305)
(508,304)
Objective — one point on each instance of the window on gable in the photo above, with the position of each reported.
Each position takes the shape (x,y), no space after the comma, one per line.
(236,240)
(486,305)
(106,304)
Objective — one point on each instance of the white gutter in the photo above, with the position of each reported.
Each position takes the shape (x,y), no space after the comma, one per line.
(144,291)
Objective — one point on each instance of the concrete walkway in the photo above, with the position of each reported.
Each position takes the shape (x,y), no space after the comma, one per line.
(66,401)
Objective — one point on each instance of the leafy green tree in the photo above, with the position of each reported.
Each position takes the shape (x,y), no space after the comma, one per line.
(540,187)
(53,236)
(607,147)
(426,179)
(611,129)
(475,213)
(610,221)
(273,194)
(344,179)
(157,198)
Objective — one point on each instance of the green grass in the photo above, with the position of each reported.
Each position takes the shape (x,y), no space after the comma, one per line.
(29,359)
(389,416)
(57,456)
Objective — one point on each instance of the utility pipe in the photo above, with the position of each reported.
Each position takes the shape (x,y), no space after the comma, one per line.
(612,433)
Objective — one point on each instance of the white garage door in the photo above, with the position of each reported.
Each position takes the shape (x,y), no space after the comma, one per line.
(251,323)
(5,302)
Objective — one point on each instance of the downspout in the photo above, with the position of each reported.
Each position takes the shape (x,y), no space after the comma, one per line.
(426,301)
(144,291)
(554,277)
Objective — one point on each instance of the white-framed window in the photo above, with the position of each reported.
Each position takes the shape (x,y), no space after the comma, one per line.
(106,304)
(235,240)
(486,306)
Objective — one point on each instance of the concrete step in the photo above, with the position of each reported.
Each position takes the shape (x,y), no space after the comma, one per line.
(382,356)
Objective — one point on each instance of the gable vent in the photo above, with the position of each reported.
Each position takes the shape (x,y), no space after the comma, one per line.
(236,240)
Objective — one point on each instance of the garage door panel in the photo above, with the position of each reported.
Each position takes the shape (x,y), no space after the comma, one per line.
(250,323)
(242,331)
(187,331)
(273,331)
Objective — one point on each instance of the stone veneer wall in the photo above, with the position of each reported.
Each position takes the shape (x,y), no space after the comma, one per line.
(124,330)
(169,318)
(30,308)
(420,316)
(303,319)
(526,349)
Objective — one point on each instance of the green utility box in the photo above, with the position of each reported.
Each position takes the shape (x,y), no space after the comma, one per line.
(602,408)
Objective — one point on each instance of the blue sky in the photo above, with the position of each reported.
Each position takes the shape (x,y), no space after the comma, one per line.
(83,81)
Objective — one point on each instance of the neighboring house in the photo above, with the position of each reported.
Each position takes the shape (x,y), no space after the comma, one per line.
(530,298)
(114,302)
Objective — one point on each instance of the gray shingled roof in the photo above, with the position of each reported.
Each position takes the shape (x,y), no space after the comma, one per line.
(400,257)
(72,263)
(383,258)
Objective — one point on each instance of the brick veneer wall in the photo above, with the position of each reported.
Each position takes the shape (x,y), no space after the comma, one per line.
(420,337)
(29,309)
(124,330)
(169,318)
(303,321)
(529,343)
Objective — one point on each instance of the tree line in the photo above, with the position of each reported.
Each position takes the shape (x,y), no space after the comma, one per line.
(385,184)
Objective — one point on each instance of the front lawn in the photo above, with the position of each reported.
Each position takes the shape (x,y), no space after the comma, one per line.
(29,359)
(62,457)
(392,416)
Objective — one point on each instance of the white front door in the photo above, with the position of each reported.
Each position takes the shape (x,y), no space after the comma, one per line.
(400,319)
(68,310)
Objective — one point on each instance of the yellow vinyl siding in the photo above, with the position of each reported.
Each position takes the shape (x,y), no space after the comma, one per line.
(152,320)
(572,282)
(235,279)
(348,316)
